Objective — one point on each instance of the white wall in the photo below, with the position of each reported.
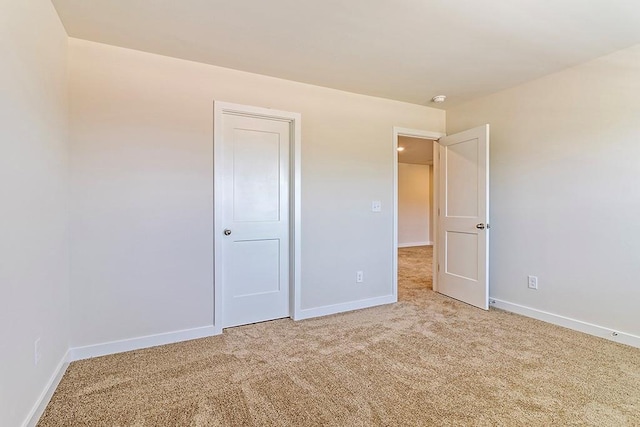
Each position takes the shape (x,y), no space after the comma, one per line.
(565,199)
(34,262)
(414,207)
(142,132)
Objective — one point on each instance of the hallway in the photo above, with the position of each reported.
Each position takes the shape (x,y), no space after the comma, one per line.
(414,271)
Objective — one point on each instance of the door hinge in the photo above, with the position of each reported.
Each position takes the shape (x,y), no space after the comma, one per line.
(438,211)
(438,267)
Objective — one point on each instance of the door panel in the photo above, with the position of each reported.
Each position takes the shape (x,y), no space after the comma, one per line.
(255,255)
(463,235)
(256,171)
(462,181)
(462,254)
(263,277)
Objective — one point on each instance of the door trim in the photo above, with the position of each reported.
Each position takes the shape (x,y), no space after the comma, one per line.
(295,207)
(413,133)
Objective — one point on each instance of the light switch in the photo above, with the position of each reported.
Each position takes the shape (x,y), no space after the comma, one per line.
(376,206)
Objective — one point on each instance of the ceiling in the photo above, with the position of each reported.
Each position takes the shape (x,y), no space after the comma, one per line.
(408,50)
(417,151)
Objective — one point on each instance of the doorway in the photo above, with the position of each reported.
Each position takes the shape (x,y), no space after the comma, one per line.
(414,200)
(460,266)
(257,214)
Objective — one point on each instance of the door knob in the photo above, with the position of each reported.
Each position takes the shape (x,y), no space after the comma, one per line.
(227,232)
(480,226)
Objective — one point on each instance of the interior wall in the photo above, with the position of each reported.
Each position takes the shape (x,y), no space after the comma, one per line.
(414,208)
(142,194)
(551,215)
(34,271)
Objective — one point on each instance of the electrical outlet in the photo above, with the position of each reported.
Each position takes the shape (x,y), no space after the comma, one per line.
(359,277)
(533,282)
(376,206)
(36,352)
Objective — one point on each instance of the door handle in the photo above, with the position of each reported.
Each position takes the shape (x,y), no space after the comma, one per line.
(480,226)
(227,232)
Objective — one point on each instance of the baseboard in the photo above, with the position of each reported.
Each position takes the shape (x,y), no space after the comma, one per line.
(567,322)
(42,402)
(104,349)
(412,244)
(347,306)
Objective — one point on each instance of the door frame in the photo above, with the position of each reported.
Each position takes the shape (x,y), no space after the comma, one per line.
(295,201)
(423,134)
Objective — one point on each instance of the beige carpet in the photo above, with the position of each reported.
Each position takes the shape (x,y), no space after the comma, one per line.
(427,360)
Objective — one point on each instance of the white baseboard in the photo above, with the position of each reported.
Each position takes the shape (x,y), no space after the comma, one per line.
(103,349)
(113,347)
(412,244)
(567,322)
(42,402)
(326,310)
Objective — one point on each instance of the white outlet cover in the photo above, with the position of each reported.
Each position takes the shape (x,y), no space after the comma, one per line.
(376,206)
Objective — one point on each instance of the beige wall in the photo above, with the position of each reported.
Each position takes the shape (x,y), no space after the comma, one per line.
(565,199)
(34,261)
(414,207)
(142,132)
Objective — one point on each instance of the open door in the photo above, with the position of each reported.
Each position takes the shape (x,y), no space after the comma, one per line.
(463,216)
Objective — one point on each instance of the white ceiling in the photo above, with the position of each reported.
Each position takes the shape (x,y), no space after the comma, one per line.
(416,151)
(409,50)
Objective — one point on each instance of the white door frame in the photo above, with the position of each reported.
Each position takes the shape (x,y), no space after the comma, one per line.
(412,133)
(219,109)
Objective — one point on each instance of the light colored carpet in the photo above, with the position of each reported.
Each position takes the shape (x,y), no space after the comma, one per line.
(427,360)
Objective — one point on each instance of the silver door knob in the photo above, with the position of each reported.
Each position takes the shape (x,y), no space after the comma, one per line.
(227,232)
(480,226)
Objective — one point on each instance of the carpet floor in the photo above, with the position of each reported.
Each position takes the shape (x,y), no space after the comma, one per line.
(427,360)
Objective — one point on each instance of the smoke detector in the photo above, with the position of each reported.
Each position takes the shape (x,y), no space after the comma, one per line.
(438,99)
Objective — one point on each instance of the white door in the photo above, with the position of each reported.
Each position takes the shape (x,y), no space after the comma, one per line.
(255,217)
(463,229)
